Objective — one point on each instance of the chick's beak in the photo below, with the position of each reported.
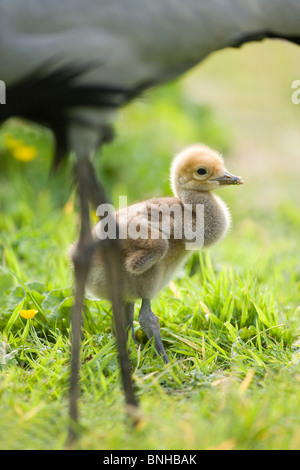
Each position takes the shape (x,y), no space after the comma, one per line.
(228,178)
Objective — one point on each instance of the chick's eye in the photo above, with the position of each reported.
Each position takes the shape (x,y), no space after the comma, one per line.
(201,171)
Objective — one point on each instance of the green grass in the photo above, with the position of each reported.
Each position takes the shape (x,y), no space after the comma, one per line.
(229,319)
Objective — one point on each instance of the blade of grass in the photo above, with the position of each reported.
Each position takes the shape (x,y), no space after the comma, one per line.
(262,316)
(28,291)
(13,317)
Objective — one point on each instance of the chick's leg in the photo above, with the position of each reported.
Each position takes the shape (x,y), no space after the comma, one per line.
(150,325)
(129,310)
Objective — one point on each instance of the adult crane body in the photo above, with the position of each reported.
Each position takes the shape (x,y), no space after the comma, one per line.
(107,51)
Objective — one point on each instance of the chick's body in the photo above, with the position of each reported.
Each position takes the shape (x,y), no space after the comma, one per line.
(158,234)
(148,264)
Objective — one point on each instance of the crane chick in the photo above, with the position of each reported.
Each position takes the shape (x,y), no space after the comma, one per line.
(158,234)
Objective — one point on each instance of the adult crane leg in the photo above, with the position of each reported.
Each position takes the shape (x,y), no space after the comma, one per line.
(111,252)
(81,261)
(89,189)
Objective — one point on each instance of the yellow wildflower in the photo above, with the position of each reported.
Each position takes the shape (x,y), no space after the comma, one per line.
(20,151)
(28,313)
(24,153)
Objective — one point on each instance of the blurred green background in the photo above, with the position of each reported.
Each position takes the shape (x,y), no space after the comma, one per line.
(238,102)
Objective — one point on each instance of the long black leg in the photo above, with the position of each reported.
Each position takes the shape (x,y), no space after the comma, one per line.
(89,189)
(81,260)
(112,256)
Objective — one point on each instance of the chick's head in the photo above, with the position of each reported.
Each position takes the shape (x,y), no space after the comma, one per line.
(199,168)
